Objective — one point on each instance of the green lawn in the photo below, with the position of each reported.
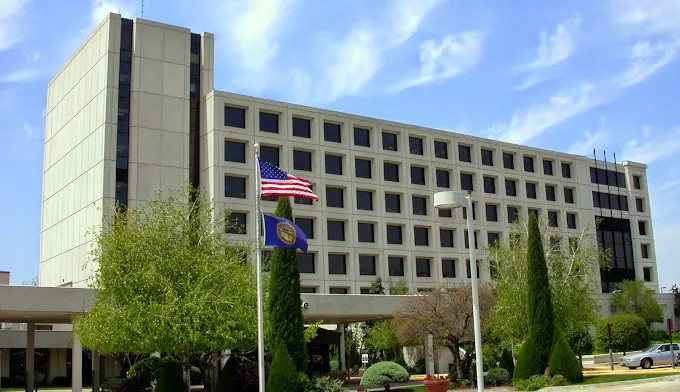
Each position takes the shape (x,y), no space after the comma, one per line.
(622,377)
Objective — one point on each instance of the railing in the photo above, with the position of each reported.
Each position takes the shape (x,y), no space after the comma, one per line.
(32,282)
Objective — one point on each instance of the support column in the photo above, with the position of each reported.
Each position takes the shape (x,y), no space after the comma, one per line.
(96,371)
(186,371)
(30,356)
(76,362)
(429,355)
(341,354)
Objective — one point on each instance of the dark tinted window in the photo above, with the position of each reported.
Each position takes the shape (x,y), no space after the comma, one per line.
(389,141)
(467,240)
(487,157)
(528,164)
(510,187)
(566,170)
(607,177)
(391,172)
(445,213)
(307,226)
(415,145)
(492,213)
(307,290)
(302,160)
(234,117)
(270,154)
(531,190)
(333,164)
(362,168)
(550,193)
(446,238)
(474,211)
(335,197)
(366,232)
(236,223)
(642,228)
(422,267)
(647,274)
(489,184)
(547,167)
(448,268)
(513,214)
(364,200)
(392,202)
(365,290)
(469,269)
(362,137)
(508,160)
(569,195)
(336,230)
(337,264)
(306,263)
(443,179)
(298,200)
(464,153)
(302,127)
(338,290)
(234,152)
(645,251)
(395,265)
(639,204)
(332,132)
(552,218)
(269,122)
(466,182)
(235,187)
(394,235)
(533,211)
(636,182)
(417,175)
(493,239)
(571,220)
(366,265)
(419,205)
(421,236)
(441,150)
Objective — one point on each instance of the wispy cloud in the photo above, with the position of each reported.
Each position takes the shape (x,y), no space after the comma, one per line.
(590,140)
(101,8)
(29,131)
(553,50)
(10,23)
(452,56)
(651,146)
(646,58)
(21,76)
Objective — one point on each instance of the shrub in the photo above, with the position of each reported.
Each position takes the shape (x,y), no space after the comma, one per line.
(59,381)
(453,375)
(117,384)
(558,381)
(629,333)
(563,360)
(497,376)
(170,378)
(282,374)
(657,336)
(304,383)
(534,383)
(239,374)
(326,384)
(400,362)
(335,365)
(507,362)
(420,367)
(148,369)
(580,341)
(528,362)
(491,355)
(382,374)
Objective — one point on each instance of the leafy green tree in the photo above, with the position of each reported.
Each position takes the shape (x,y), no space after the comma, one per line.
(563,360)
(282,376)
(383,336)
(581,342)
(634,298)
(286,323)
(377,287)
(629,333)
(528,362)
(168,280)
(398,288)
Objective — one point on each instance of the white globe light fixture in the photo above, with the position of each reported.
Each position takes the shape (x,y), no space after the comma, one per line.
(452,199)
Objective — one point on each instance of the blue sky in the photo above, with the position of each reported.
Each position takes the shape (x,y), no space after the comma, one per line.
(569,76)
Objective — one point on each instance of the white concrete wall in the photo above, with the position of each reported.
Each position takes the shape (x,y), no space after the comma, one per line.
(57,363)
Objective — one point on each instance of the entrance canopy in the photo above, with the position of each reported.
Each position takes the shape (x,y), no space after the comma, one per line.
(55,305)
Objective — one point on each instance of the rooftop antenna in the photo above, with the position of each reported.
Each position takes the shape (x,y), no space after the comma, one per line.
(142,9)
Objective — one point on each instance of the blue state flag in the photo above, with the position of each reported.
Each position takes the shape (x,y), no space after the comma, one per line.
(282,233)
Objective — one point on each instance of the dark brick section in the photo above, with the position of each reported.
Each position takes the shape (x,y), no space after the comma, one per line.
(194,112)
(123,128)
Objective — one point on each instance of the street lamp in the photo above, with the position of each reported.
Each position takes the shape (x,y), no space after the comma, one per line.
(451,199)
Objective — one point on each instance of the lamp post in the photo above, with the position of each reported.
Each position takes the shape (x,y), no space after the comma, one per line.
(451,199)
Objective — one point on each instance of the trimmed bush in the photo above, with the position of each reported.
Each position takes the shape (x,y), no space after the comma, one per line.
(170,378)
(383,374)
(581,341)
(507,362)
(420,367)
(558,381)
(528,362)
(563,361)
(304,383)
(327,384)
(497,376)
(533,384)
(629,333)
(282,375)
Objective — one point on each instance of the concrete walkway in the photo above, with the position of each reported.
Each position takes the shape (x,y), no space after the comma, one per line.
(659,384)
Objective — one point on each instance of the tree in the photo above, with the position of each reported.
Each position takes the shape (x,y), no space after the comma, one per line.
(563,360)
(676,302)
(528,361)
(168,280)
(634,298)
(382,336)
(286,323)
(506,361)
(282,376)
(629,333)
(444,313)
(398,288)
(573,273)
(377,287)
(581,342)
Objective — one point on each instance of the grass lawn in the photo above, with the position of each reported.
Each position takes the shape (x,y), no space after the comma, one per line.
(622,377)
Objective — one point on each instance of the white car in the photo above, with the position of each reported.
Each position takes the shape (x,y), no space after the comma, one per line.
(654,355)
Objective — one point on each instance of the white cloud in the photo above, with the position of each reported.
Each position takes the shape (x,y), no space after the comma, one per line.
(650,148)
(10,23)
(24,75)
(29,131)
(453,55)
(590,140)
(646,59)
(101,8)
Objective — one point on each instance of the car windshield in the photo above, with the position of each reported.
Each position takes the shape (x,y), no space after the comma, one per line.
(650,349)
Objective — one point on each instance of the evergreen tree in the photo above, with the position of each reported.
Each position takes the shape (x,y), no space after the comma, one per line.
(528,362)
(377,287)
(541,323)
(506,361)
(282,375)
(563,360)
(285,306)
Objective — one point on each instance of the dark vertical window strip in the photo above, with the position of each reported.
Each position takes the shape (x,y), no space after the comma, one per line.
(194,111)
(123,126)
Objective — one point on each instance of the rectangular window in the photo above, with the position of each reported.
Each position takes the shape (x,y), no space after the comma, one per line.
(307,202)
(366,265)
(337,264)
(569,195)
(364,200)
(338,290)
(550,193)
(491,213)
(362,137)
(645,251)
(566,170)
(302,160)
(493,239)
(487,157)
(639,205)
(509,161)
(394,235)
(552,219)
(513,214)
(235,187)
(441,150)
(467,240)
(419,205)
(335,197)
(571,220)
(302,127)
(234,117)
(391,171)
(489,184)
(510,187)
(393,202)
(474,211)
(466,182)
(333,164)
(446,238)
(421,236)
(443,179)
(389,141)
(307,226)
(307,290)
(642,227)
(417,175)
(422,267)
(469,269)
(306,263)
(362,168)
(445,213)
(332,132)
(528,164)
(269,122)
(395,265)
(610,201)
(236,223)
(533,211)
(531,190)
(547,167)
(636,182)
(647,273)
(270,154)
(464,154)
(448,268)
(336,230)
(415,145)
(607,177)
(366,232)
(234,152)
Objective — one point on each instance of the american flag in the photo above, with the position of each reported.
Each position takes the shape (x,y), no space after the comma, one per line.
(276,182)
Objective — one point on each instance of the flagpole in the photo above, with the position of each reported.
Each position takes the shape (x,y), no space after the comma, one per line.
(258,262)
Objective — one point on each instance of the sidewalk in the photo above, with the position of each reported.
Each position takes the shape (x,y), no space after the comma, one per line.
(660,384)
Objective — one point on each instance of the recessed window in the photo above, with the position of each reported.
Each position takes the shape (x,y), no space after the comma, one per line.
(647,273)
(533,211)
(571,220)
(307,290)
(391,172)
(636,182)
(337,264)
(421,236)
(419,205)
(645,251)
(510,187)
(550,193)
(417,175)
(364,200)
(362,137)
(443,178)
(448,268)
(302,127)
(395,266)
(389,141)
(333,164)
(566,170)
(270,154)
(508,161)
(491,213)
(269,122)
(234,152)
(569,195)
(335,197)
(415,145)
(639,204)
(528,164)
(531,190)
(306,262)
(445,213)
(234,117)
(394,236)
(302,160)
(552,219)
(474,211)
(338,290)
(307,226)
(332,132)
(364,290)
(469,269)
(366,232)
(487,157)
(466,182)
(336,230)
(467,240)
(642,227)
(366,265)
(446,238)
(493,239)
(235,187)
(307,202)
(489,184)
(547,167)
(513,214)
(441,150)
(422,267)
(464,154)
(236,223)
(392,202)
(362,168)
